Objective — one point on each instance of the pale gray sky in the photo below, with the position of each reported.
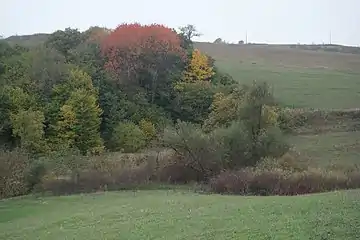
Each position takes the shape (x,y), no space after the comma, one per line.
(271,21)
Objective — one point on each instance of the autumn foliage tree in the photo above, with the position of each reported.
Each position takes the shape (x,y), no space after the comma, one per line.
(78,117)
(96,34)
(198,68)
(144,55)
(194,92)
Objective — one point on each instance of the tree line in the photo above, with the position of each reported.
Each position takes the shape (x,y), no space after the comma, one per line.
(81,88)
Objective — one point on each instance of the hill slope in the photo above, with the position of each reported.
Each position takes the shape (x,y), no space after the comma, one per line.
(28,40)
(299,78)
(181,215)
(282,56)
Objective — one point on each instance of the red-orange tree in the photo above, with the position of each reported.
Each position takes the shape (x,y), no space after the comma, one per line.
(144,55)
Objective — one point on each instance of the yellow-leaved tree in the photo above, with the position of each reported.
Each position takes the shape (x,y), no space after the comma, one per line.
(198,68)
(77,123)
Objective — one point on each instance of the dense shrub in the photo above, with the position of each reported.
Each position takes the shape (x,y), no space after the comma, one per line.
(282,182)
(178,173)
(232,182)
(66,162)
(35,173)
(148,128)
(236,144)
(224,109)
(128,137)
(192,101)
(223,79)
(240,149)
(102,174)
(170,168)
(292,120)
(13,170)
(197,150)
(287,162)
(271,143)
(231,147)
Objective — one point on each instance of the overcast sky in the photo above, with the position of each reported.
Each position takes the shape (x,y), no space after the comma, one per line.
(270,21)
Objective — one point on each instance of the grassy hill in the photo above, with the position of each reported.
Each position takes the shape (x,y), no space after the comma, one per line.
(300,78)
(28,40)
(181,214)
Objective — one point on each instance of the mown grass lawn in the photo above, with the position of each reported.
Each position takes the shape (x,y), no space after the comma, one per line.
(180,214)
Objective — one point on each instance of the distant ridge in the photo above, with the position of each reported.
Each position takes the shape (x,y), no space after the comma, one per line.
(34,40)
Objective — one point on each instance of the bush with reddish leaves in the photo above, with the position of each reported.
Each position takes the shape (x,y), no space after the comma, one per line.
(282,182)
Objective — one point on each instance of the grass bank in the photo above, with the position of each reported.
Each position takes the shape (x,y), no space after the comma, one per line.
(181,214)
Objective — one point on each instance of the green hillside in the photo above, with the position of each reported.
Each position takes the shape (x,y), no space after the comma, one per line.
(28,40)
(300,78)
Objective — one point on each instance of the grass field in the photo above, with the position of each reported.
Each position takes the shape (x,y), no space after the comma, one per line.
(329,150)
(299,78)
(181,215)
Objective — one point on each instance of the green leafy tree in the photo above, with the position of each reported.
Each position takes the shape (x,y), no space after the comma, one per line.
(255,110)
(77,80)
(13,100)
(36,71)
(66,127)
(187,33)
(47,68)
(225,108)
(247,121)
(5,126)
(192,101)
(16,69)
(12,96)
(80,122)
(148,128)
(87,56)
(19,99)
(75,114)
(65,40)
(6,52)
(198,151)
(128,138)
(28,125)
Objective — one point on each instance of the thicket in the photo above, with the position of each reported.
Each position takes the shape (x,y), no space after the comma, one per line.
(105,110)
(283,176)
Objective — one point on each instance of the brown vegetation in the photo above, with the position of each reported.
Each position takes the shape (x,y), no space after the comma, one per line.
(283,179)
